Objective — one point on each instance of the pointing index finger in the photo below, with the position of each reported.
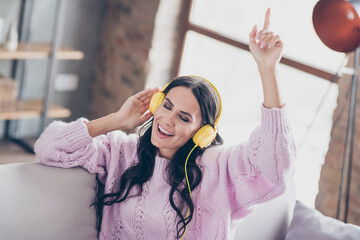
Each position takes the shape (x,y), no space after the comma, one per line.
(267,19)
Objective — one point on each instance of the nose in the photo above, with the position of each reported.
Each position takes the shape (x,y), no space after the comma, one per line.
(170,119)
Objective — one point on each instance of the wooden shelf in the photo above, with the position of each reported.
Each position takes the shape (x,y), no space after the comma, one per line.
(39,51)
(32,109)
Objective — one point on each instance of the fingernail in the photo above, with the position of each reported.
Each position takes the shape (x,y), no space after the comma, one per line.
(257,37)
(262,45)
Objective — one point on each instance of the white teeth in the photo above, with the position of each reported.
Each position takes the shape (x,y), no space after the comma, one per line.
(164,131)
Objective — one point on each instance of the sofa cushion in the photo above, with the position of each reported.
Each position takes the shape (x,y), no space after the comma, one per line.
(310,224)
(41,202)
(269,220)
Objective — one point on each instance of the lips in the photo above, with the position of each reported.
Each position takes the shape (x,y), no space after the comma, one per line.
(162,133)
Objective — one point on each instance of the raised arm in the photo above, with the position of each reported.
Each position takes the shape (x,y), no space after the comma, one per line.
(266,49)
(259,170)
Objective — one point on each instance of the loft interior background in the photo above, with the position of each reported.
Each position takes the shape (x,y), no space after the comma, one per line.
(116,38)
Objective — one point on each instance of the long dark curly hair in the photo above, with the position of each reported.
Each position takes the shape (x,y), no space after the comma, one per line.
(140,173)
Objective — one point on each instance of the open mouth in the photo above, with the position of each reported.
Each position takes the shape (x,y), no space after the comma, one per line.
(163,132)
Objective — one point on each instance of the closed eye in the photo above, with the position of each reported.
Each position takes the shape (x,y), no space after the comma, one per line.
(167,107)
(185,119)
(183,115)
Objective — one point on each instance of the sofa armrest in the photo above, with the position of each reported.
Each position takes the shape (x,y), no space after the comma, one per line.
(41,202)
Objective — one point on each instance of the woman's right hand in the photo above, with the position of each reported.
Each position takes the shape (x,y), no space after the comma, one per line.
(133,112)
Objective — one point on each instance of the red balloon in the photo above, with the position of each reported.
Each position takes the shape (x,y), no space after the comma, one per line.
(337,24)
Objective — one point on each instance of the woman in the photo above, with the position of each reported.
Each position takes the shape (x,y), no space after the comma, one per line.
(146,193)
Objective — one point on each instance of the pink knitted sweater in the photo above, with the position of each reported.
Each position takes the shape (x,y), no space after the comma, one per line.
(234,178)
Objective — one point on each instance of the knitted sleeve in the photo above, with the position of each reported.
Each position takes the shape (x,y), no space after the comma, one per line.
(68,145)
(255,171)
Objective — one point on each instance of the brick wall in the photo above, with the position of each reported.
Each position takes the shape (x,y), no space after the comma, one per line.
(167,42)
(126,37)
(327,198)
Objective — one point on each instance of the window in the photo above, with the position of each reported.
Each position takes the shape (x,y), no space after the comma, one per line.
(234,73)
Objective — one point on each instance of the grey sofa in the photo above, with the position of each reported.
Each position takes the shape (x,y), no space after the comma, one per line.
(41,202)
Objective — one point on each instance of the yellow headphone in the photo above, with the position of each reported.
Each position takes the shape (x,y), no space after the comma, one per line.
(207,133)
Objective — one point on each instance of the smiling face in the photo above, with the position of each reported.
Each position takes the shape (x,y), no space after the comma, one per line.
(176,120)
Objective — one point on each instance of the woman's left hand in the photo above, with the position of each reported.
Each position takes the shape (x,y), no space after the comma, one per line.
(265,46)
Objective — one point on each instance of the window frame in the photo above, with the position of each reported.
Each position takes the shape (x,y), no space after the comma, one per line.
(187,26)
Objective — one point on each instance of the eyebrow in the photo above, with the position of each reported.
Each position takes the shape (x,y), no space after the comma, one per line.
(186,113)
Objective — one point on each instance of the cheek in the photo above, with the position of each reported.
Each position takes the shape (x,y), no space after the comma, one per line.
(187,132)
(161,113)
(157,112)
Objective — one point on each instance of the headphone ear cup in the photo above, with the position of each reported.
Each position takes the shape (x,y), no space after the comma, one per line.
(155,101)
(204,136)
